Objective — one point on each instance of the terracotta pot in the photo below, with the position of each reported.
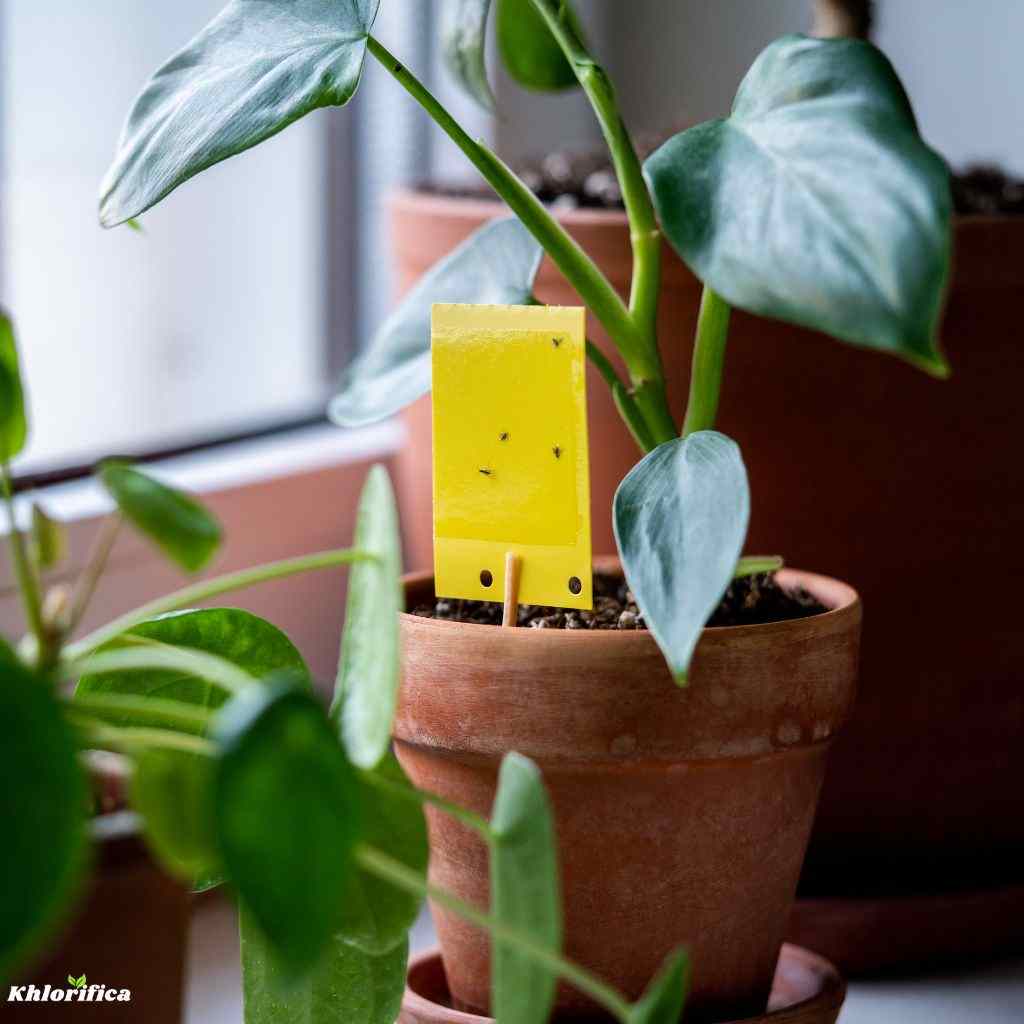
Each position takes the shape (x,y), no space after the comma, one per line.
(682,814)
(903,485)
(807,990)
(129,931)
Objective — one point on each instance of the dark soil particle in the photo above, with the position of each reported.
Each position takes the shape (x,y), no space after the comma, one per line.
(748,601)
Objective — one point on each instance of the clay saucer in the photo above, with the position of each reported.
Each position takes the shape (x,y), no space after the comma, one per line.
(807,990)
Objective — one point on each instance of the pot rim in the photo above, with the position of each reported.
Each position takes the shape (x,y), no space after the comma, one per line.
(839,598)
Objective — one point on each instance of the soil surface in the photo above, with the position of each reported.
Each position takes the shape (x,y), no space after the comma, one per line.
(570,181)
(748,601)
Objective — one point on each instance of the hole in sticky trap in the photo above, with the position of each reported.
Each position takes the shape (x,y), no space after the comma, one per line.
(575,585)
(486,577)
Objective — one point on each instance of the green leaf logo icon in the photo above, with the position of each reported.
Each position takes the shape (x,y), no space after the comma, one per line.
(81,981)
(73,982)
(76,982)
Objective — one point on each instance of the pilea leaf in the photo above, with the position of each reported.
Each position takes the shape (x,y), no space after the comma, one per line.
(680,520)
(497,264)
(178,524)
(366,690)
(256,68)
(816,201)
(525,892)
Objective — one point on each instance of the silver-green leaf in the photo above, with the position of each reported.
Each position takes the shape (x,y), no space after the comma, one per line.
(463,45)
(816,201)
(680,520)
(497,264)
(256,68)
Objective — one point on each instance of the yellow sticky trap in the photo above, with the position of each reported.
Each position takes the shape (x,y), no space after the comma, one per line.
(511,462)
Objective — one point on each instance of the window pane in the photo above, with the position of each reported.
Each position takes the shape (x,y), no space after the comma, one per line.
(212,320)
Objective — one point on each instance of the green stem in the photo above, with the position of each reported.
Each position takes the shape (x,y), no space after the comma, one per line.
(708,363)
(116,708)
(422,796)
(580,271)
(28,582)
(94,569)
(128,741)
(393,871)
(201,591)
(151,655)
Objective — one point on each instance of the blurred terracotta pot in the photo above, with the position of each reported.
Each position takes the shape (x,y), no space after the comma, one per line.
(908,487)
(682,814)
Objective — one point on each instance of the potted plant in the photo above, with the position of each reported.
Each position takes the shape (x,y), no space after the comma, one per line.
(682,811)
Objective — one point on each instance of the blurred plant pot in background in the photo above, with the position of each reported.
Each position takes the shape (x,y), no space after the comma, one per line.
(912,497)
(127,931)
(682,814)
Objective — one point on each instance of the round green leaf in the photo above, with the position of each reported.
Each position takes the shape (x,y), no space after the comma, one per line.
(366,690)
(43,805)
(377,916)
(530,52)
(497,264)
(256,68)
(680,520)
(179,525)
(238,636)
(13,424)
(816,201)
(525,892)
(287,812)
(347,985)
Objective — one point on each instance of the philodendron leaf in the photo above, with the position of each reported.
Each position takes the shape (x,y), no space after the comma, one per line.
(497,264)
(346,985)
(366,690)
(816,201)
(13,424)
(49,539)
(287,813)
(43,803)
(172,790)
(529,51)
(665,997)
(238,636)
(680,520)
(525,892)
(463,43)
(377,916)
(256,68)
(180,526)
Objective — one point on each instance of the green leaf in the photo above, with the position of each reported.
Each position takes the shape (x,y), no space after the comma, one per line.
(347,985)
(816,201)
(751,565)
(256,68)
(238,636)
(525,892)
(81,981)
(43,803)
(680,520)
(497,264)
(13,424)
(173,791)
(665,997)
(366,691)
(180,526)
(377,915)
(529,50)
(49,539)
(287,812)
(463,44)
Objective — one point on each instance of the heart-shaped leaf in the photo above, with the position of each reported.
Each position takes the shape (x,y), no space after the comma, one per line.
(287,812)
(180,526)
(256,68)
(377,916)
(13,424)
(680,520)
(525,892)
(497,264)
(347,985)
(172,790)
(238,636)
(665,997)
(43,803)
(366,690)
(816,201)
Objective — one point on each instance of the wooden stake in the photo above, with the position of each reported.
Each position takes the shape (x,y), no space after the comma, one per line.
(513,569)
